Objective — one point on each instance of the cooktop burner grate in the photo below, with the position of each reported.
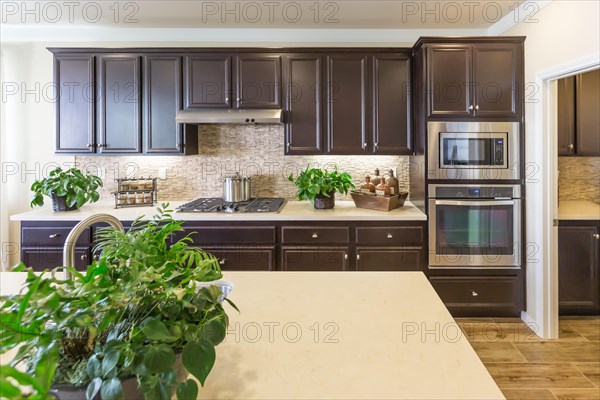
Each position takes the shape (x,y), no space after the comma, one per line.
(215,204)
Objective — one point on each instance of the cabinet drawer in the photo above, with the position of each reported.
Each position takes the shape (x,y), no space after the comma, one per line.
(390,236)
(244,258)
(388,259)
(52,236)
(316,235)
(314,259)
(229,235)
(483,296)
(41,258)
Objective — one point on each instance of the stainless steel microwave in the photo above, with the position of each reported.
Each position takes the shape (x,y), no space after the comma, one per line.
(473,150)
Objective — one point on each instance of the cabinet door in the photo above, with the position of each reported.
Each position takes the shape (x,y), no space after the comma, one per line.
(391,104)
(119,111)
(41,258)
(495,79)
(74,111)
(302,83)
(566,116)
(207,81)
(388,259)
(162,100)
(346,104)
(257,81)
(578,269)
(448,77)
(588,117)
(314,258)
(240,258)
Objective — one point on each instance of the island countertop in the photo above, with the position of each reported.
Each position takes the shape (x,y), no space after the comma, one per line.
(327,335)
(292,211)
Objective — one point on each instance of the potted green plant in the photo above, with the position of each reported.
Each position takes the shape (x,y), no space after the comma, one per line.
(132,326)
(319,185)
(69,190)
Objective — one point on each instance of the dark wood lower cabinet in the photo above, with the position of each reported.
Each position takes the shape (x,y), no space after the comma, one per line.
(244,258)
(388,259)
(578,268)
(314,258)
(41,258)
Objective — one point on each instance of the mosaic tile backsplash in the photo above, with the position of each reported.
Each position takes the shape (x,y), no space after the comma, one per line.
(255,151)
(579,178)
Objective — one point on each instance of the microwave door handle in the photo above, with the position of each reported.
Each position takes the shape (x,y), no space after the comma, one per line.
(475,203)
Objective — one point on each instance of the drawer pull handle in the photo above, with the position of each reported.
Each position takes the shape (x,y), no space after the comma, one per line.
(358,257)
(596,235)
(83,257)
(53,235)
(389,236)
(345,256)
(315,235)
(222,261)
(96,257)
(474,293)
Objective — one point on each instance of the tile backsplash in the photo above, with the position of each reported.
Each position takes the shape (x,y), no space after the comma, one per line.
(579,178)
(255,151)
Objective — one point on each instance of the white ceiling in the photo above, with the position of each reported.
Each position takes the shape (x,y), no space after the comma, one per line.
(260,14)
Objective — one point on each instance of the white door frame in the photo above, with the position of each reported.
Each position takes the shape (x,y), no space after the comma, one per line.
(545,131)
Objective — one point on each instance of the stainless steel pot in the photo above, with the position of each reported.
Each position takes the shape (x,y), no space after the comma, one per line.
(236,187)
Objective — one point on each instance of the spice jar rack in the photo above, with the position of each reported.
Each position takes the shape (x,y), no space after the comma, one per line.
(139,192)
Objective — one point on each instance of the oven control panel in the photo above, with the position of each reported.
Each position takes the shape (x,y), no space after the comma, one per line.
(475,192)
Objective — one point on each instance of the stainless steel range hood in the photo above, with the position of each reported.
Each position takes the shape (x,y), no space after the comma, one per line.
(249,116)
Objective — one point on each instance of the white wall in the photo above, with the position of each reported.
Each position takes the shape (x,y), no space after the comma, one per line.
(565,31)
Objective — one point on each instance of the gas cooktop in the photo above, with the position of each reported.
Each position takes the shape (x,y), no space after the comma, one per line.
(217,205)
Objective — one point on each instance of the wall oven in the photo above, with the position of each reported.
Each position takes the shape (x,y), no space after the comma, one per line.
(474,226)
(473,150)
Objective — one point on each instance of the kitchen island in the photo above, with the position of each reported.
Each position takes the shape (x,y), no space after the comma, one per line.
(323,335)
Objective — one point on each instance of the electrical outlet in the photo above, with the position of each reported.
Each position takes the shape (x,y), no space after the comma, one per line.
(162,173)
(102,172)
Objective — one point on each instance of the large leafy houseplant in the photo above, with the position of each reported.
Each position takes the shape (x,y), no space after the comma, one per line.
(68,189)
(139,312)
(319,185)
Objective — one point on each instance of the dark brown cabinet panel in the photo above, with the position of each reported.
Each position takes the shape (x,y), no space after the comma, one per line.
(244,258)
(479,296)
(448,78)
(346,104)
(315,235)
(578,268)
(588,117)
(162,100)
(41,258)
(75,107)
(51,235)
(119,104)
(207,81)
(388,259)
(566,116)
(391,104)
(303,105)
(257,81)
(390,235)
(314,258)
(495,79)
(220,235)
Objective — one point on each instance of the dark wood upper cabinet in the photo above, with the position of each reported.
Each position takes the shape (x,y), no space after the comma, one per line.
(566,116)
(448,77)
(303,105)
(588,118)
(346,104)
(578,267)
(207,81)
(257,81)
(119,103)
(74,110)
(391,104)
(162,100)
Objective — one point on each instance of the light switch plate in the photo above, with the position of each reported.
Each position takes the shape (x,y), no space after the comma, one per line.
(162,173)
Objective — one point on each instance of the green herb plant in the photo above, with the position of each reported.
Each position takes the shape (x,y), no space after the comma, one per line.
(137,312)
(313,182)
(78,188)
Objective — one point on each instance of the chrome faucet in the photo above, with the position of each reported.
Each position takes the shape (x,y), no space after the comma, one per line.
(69,247)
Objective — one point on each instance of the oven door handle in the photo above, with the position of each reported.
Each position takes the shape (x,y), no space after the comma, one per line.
(475,202)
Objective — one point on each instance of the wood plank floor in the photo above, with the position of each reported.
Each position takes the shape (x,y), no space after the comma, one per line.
(526,367)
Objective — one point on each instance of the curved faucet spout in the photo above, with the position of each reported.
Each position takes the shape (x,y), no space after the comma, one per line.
(69,247)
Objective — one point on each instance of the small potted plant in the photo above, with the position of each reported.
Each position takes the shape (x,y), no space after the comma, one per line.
(69,190)
(319,185)
(132,326)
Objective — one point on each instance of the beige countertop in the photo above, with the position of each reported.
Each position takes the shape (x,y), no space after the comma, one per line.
(330,335)
(292,211)
(578,210)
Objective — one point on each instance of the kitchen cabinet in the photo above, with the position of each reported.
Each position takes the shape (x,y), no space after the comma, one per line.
(257,81)
(119,104)
(303,104)
(578,267)
(566,116)
(207,81)
(75,106)
(314,258)
(244,258)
